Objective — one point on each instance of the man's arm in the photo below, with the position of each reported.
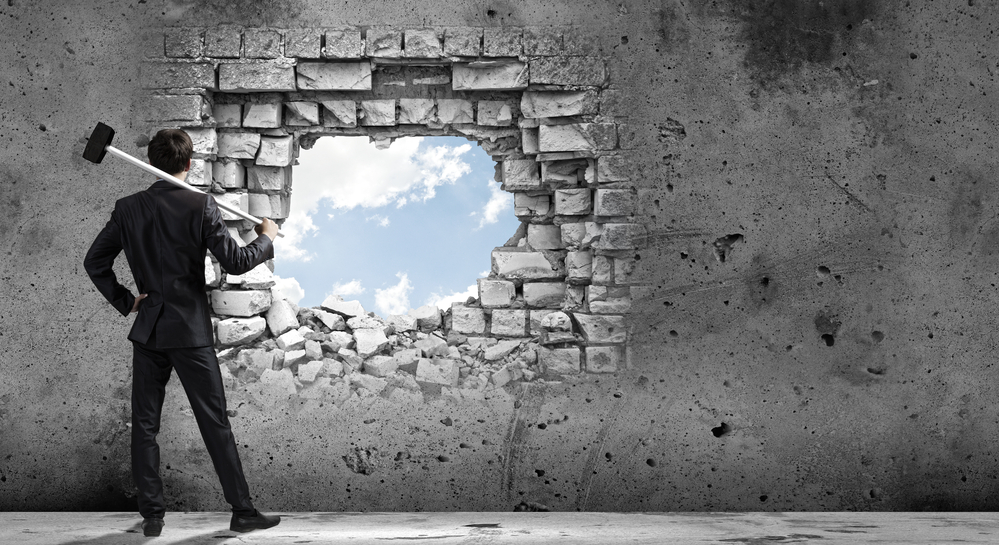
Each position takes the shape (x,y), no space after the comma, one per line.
(233,258)
(99,262)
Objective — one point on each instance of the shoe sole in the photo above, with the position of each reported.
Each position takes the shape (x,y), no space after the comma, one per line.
(252,528)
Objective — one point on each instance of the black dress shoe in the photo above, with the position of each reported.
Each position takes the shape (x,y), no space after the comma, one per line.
(258,521)
(152,527)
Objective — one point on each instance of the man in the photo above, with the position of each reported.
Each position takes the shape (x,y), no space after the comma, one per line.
(165,232)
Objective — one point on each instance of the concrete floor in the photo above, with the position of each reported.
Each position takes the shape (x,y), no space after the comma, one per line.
(47,528)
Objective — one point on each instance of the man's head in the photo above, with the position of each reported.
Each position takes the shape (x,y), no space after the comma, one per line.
(170,151)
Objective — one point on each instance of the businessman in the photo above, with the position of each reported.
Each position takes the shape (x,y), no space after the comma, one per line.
(165,232)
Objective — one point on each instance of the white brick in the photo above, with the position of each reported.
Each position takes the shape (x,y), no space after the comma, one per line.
(467,320)
(559,361)
(544,237)
(370,342)
(602,328)
(455,111)
(275,151)
(339,113)
(521,174)
(416,111)
(558,104)
(240,330)
(378,113)
(526,265)
(573,202)
(577,137)
(349,309)
(437,371)
(230,175)
(494,113)
(508,323)
(495,293)
(383,43)
(256,77)
(489,76)
(240,302)
(235,200)
(544,294)
(259,205)
(257,278)
(281,317)
(260,178)
(290,340)
(238,145)
(301,114)
(262,116)
(334,76)
(380,366)
(309,371)
(422,43)
(227,115)
(343,44)
(403,322)
(428,317)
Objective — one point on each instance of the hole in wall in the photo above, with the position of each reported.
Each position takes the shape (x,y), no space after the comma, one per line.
(721,430)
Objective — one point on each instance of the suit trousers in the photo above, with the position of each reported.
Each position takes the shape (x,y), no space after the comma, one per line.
(199,373)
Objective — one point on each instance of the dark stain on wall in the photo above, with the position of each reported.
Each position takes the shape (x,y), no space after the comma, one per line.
(784,35)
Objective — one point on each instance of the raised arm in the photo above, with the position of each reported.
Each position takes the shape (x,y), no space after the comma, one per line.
(233,258)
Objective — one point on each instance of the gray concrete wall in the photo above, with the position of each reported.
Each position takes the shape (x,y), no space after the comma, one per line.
(850,144)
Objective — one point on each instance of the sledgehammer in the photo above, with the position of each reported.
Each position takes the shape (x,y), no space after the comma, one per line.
(99,145)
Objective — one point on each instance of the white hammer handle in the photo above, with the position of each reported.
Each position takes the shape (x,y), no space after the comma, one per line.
(175,181)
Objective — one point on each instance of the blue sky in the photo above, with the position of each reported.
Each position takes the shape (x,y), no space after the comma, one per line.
(395,229)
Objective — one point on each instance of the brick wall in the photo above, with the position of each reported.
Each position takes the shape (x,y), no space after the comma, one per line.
(541,101)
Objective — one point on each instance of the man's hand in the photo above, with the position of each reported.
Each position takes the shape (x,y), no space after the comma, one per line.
(135,305)
(267,227)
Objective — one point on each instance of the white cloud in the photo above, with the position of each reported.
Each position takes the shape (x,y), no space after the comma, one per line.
(295,228)
(499,202)
(443,302)
(394,300)
(288,288)
(353,287)
(382,221)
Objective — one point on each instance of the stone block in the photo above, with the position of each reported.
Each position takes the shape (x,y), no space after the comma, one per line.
(612,168)
(256,76)
(291,340)
(332,367)
(228,115)
(184,42)
(343,44)
(489,76)
(377,113)
(368,382)
(303,43)
(602,269)
(172,75)
(577,137)
(614,202)
(223,42)
(523,265)
(342,339)
(205,141)
(235,331)
(380,366)
(602,328)
(280,205)
(339,113)
(508,323)
(428,317)
(559,361)
(467,320)
(281,317)
(572,234)
(308,372)
(213,273)
(281,383)
(573,202)
(176,109)
(505,375)
(494,113)
(604,359)
(238,145)
(592,235)
(583,71)
(525,204)
(368,322)
(257,278)
(348,309)
(275,151)
(566,173)
(624,270)
(558,104)
(574,297)
(256,361)
(416,111)
(463,42)
(301,114)
(544,237)
(403,322)
(521,175)
(542,41)
(432,346)
(500,350)
(384,43)
(455,111)
(333,321)
(199,174)
(422,44)
(529,141)
(578,265)
(243,303)
(544,294)
(501,42)
(622,236)
(608,299)
(334,76)
(262,44)
(437,371)
(262,179)
(496,293)
(235,200)
(262,116)
(370,342)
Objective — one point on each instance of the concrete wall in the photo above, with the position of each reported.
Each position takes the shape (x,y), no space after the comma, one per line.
(816,333)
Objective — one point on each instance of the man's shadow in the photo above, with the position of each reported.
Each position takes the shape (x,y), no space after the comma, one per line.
(133,535)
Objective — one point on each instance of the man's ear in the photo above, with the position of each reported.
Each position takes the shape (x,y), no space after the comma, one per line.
(188,166)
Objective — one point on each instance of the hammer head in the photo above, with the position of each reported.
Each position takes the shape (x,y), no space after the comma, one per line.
(99,140)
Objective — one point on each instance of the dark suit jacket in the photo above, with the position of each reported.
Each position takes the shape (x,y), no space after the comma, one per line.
(165,232)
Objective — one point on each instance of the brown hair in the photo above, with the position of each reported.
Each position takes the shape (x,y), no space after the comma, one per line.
(170,150)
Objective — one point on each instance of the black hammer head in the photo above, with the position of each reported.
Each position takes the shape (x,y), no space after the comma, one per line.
(99,140)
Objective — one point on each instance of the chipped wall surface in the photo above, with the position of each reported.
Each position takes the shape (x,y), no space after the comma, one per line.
(810,268)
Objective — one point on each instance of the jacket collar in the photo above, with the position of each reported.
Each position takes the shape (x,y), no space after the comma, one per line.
(162,184)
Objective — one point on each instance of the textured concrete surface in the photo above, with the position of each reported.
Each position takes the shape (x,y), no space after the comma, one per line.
(820,188)
(461,528)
